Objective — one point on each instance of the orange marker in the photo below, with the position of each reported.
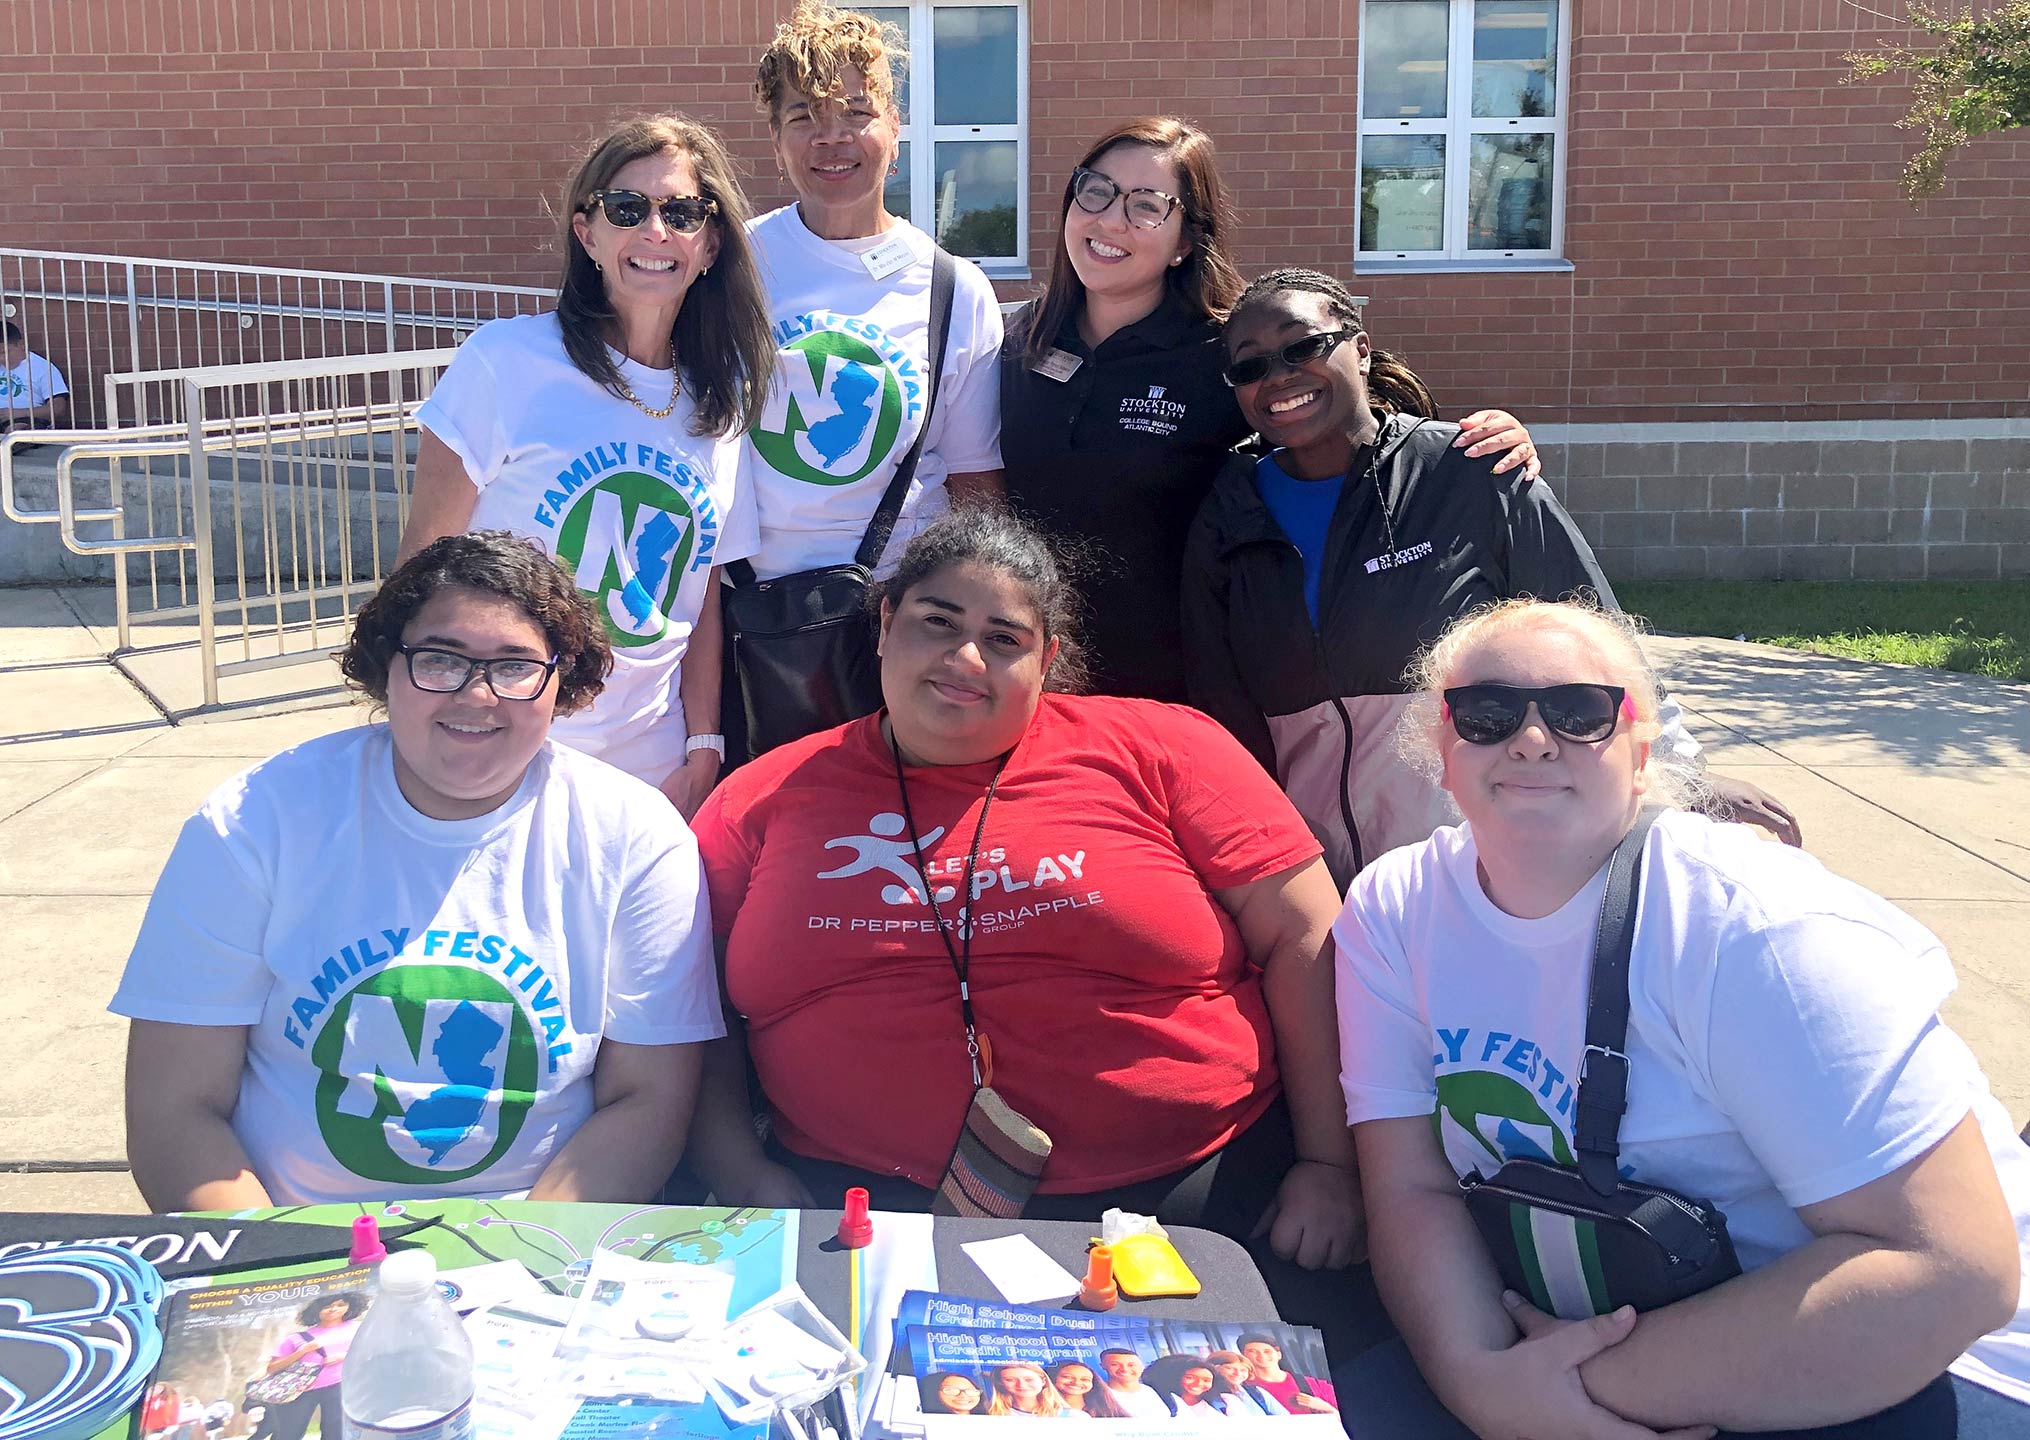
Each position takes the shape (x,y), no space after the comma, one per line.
(1098,1291)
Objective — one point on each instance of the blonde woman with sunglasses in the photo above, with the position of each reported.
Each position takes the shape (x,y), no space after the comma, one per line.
(1784,1061)
(609,431)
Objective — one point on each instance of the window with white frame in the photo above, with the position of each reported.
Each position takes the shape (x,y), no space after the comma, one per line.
(1462,129)
(964,163)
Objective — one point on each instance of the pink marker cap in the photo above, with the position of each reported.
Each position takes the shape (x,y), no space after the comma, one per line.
(366,1241)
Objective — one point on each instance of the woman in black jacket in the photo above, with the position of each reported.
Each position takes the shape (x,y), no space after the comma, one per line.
(1342,543)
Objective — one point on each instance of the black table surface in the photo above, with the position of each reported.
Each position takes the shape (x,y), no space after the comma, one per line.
(1230,1287)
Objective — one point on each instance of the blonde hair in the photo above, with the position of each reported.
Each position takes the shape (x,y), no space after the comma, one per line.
(1616,642)
(816,45)
(1048,1401)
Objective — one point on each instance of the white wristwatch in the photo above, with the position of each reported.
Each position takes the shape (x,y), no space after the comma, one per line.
(715,743)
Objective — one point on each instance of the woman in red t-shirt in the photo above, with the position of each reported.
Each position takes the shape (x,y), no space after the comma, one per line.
(1141,954)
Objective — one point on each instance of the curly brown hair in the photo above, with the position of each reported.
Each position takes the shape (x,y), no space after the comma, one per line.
(815,44)
(499,563)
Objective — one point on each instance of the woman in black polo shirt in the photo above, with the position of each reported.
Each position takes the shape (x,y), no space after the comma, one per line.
(1114,416)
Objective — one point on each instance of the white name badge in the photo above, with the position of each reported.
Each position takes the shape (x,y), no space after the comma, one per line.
(889,256)
(1058,365)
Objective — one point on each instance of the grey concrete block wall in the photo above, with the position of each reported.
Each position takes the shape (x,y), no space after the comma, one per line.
(1800,502)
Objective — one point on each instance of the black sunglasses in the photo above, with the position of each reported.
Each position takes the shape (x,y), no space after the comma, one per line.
(1489,714)
(1146,209)
(683,214)
(446,672)
(1296,353)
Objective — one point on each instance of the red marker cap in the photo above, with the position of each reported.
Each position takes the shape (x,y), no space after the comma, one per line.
(1098,1291)
(855,1228)
(366,1241)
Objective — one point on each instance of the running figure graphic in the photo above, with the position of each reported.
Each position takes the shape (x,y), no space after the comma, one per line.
(882,851)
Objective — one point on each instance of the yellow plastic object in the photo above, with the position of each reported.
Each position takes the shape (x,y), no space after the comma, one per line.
(1147,1265)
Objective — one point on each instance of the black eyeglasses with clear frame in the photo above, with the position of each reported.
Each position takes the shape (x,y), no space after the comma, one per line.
(625,209)
(1489,714)
(1297,353)
(1146,209)
(446,672)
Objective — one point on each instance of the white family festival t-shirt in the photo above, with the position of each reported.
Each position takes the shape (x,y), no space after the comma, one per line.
(851,384)
(1784,1043)
(31,383)
(638,509)
(426,997)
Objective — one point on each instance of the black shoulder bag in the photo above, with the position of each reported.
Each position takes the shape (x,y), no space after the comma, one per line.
(800,648)
(1581,1242)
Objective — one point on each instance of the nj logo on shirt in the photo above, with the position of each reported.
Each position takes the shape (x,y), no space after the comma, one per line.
(427,1073)
(842,389)
(628,542)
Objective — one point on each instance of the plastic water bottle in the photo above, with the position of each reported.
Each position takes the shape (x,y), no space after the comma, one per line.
(408,1375)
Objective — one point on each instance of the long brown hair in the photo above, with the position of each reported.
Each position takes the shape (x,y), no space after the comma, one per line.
(721,335)
(1206,278)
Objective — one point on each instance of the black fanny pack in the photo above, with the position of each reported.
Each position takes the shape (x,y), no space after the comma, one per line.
(1583,1241)
(800,647)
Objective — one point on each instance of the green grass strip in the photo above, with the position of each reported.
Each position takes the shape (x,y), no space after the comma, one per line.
(1976,627)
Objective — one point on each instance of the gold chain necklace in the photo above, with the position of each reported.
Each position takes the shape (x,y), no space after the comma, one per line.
(676,390)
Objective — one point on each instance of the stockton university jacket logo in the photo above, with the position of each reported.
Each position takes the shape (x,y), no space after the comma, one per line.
(427,1074)
(842,391)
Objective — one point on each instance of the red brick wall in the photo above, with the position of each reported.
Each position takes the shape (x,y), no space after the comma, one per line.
(1742,249)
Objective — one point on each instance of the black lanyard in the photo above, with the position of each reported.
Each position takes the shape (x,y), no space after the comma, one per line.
(961,954)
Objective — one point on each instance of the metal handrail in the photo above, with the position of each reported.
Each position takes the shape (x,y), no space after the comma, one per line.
(278,271)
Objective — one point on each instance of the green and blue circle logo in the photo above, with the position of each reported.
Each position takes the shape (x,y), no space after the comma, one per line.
(427,1074)
(1484,1117)
(834,413)
(628,541)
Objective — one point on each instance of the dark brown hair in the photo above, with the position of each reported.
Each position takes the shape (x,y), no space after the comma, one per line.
(721,336)
(499,563)
(815,45)
(1206,278)
(1391,384)
(989,535)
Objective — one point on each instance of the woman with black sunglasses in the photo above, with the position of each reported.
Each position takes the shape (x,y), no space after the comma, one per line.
(1114,419)
(1344,542)
(1785,1064)
(609,432)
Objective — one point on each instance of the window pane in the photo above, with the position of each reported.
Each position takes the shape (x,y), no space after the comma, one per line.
(975,196)
(895,190)
(1405,71)
(1402,192)
(1515,57)
(898,16)
(975,64)
(1508,204)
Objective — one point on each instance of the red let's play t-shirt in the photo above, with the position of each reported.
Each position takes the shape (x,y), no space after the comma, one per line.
(1123,1014)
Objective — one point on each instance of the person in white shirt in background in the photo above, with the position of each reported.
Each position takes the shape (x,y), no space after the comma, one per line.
(439,955)
(610,432)
(33,395)
(1125,1388)
(848,294)
(1787,1064)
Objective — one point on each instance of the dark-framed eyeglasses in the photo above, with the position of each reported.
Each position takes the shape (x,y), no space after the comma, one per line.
(1298,352)
(625,209)
(1489,714)
(446,672)
(1146,209)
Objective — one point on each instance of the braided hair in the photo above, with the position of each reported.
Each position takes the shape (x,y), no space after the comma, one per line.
(1391,384)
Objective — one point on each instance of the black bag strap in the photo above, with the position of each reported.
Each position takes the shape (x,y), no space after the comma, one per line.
(943,282)
(1603,1070)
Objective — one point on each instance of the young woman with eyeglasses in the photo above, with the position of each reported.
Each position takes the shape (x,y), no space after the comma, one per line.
(435,955)
(1786,1065)
(1328,554)
(609,431)
(1114,418)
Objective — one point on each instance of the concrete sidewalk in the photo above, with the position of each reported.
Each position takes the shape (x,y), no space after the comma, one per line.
(1914,783)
